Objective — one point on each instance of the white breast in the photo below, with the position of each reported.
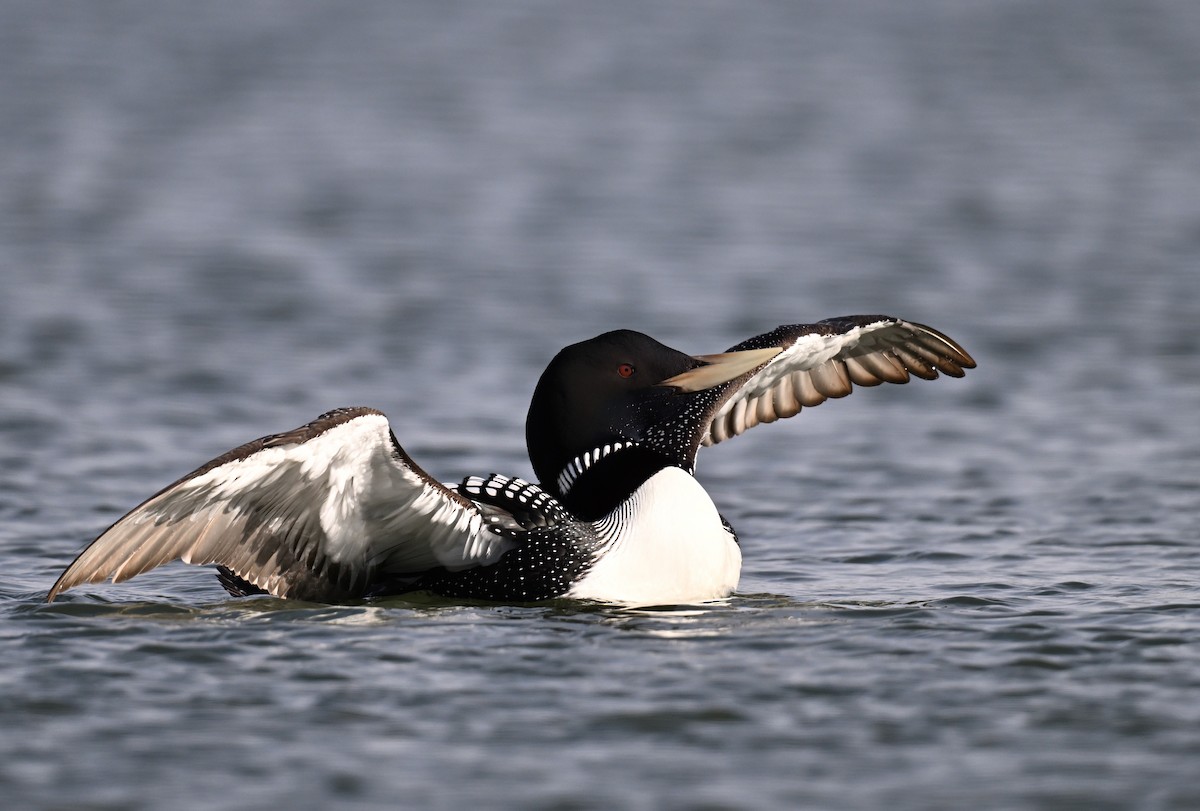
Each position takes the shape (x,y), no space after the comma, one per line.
(666,544)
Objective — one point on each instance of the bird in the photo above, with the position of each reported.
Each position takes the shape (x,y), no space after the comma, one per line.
(337,511)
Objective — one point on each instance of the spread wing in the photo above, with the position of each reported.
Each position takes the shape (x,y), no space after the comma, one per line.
(317,513)
(828,359)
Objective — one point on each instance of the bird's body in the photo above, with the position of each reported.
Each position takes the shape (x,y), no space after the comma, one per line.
(337,510)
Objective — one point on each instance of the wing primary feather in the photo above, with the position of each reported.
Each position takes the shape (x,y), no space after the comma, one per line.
(141,556)
(931,355)
(830,379)
(806,390)
(914,363)
(784,399)
(885,366)
(860,375)
(942,345)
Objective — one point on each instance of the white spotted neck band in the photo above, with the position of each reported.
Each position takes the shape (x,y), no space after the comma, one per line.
(576,467)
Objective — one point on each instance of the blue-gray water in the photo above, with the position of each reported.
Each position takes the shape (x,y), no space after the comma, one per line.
(217,222)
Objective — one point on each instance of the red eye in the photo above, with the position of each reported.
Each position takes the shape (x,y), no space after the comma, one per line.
(626,370)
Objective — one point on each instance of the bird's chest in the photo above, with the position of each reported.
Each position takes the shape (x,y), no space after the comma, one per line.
(665,544)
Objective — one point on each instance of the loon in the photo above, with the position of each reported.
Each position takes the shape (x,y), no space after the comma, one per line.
(336,510)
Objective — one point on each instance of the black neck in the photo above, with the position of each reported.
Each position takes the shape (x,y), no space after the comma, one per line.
(603,486)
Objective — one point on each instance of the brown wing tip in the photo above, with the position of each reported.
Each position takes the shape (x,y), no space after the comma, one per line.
(948,348)
(74,576)
(63,583)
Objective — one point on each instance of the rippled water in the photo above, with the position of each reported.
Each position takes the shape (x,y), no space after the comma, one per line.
(977,593)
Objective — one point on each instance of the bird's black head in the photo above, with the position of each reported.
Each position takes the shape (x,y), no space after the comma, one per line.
(629,401)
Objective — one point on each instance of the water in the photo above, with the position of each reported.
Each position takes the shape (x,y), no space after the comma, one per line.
(977,593)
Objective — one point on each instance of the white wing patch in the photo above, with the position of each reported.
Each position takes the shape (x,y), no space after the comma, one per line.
(318,513)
